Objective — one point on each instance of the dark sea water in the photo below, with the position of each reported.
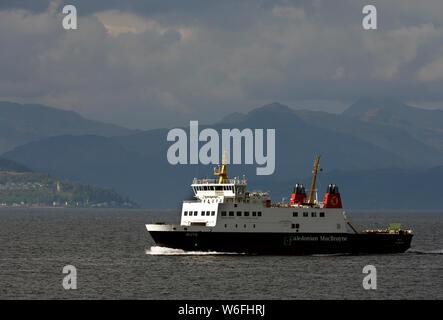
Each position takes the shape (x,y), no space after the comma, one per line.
(111,250)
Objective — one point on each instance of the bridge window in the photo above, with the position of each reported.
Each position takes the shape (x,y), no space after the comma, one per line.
(246,213)
(186,213)
(313,214)
(202,213)
(238,213)
(322,214)
(212,213)
(305,214)
(231,213)
(295,214)
(195,213)
(223,213)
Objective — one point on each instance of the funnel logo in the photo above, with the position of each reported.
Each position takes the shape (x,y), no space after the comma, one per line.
(209,153)
(334,200)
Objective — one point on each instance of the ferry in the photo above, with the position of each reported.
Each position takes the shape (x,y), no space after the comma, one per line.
(225,217)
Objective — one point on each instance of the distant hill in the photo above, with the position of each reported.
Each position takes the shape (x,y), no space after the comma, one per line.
(395,113)
(20,187)
(397,140)
(424,125)
(9,165)
(23,123)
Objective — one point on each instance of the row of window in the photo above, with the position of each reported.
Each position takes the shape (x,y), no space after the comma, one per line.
(212,188)
(212,200)
(203,213)
(244,226)
(240,213)
(306,214)
(246,213)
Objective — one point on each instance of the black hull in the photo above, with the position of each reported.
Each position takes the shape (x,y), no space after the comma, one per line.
(283,243)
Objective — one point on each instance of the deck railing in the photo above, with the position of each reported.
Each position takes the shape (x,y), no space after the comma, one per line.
(215,181)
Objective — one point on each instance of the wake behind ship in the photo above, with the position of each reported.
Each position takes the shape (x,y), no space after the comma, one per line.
(225,217)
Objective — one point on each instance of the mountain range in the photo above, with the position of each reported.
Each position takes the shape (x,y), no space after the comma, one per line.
(22,123)
(384,154)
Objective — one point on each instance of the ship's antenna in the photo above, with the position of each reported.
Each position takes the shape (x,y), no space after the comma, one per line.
(314,178)
(223,171)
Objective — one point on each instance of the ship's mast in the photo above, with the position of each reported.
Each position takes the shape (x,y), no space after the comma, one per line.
(314,178)
(223,171)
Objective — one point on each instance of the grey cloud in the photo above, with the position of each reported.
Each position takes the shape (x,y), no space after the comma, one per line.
(150,64)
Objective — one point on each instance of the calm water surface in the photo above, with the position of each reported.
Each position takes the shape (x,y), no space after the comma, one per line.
(111,250)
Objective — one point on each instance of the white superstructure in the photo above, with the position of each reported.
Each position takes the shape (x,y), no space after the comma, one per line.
(229,207)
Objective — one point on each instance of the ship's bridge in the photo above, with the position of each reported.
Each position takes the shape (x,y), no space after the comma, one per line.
(206,189)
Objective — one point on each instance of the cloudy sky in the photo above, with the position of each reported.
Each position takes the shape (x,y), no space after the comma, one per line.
(147,64)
